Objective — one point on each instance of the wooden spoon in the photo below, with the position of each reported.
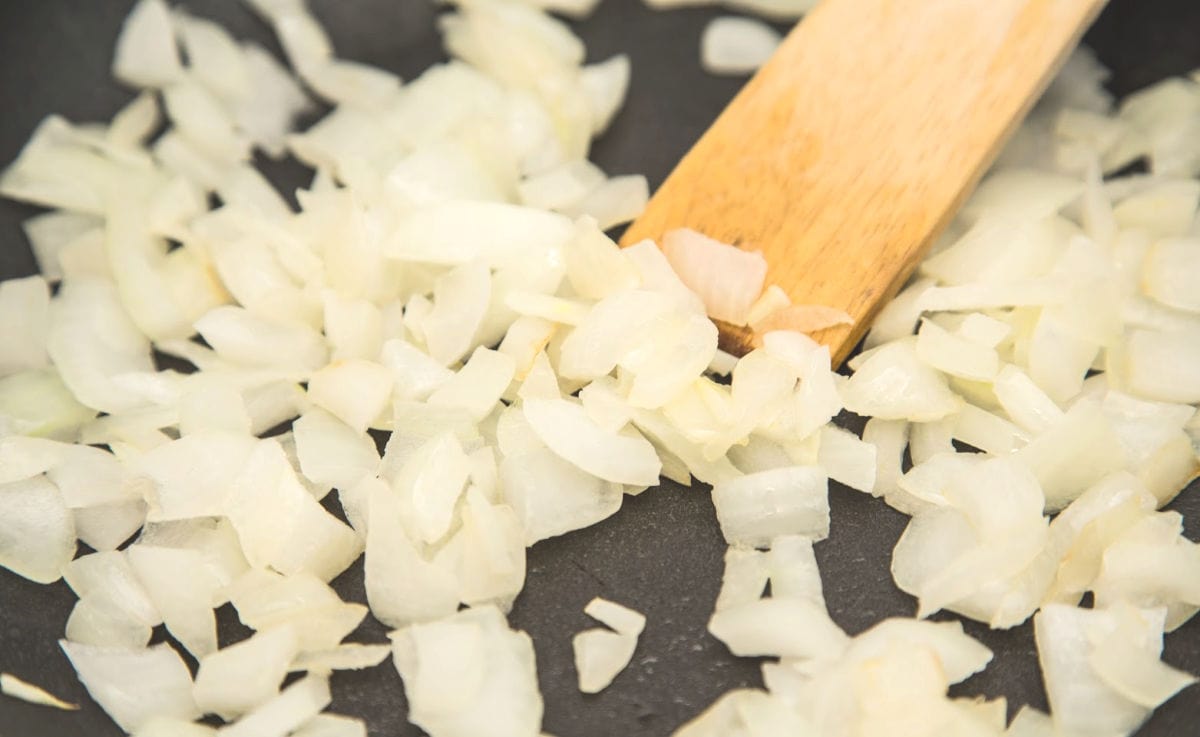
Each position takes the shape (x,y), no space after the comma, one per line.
(851,149)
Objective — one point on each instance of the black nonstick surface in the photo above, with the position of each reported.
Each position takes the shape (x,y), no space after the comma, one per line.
(662,553)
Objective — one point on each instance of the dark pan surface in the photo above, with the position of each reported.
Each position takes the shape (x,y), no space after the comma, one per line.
(662,553)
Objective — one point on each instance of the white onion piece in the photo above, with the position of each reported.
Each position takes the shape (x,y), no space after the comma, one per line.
(847,460)
(1024,194)
(1161,365)
(332,725)
(621,619)
(955,355)
(551,496)
(134,686)
(281,715)
(1166,209)
(172,727)
(744,579)
(347,656)
(238,677)
(898,318)
(599,656)
(469,674)
(321,620)
(478,385)
(215,408)
(566,429)
(733,45)
(1024,401)
(1029,722)
(50,233)
(889,438)
(402,587)
(617,201)
(595,266)
(460,300)
(243,338)
(192,475)
(801,318)
(1137,675)
(200,118)
(331,452)
(93,622)
(561,187)
(214,57)
(108,526)
(345,82)
(415,374)
(794,628)
(146,55)
(792,567)
(1080,700)
(37,533)
(893,384)
(19,689)
(182,590)
(726,278)
(756,508)
(431,482)
(492,233)
(23,342)
(1073,454)
(491,553)
(605,84)
(107,580)
(38,403)
(961,656)
(1151,564)
(213,538)
(92,341)
(355,391)
(280,524)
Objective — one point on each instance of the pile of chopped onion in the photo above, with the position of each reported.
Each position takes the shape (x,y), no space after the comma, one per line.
(447,280)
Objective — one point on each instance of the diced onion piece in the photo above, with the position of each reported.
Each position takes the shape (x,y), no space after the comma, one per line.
(355,391)
(733,45)
(134,686)
(37,533)
(803,319)
(551,496)
(566,429)
(847,460)
(23,341)
(469,674)
(402,587)
(280,524)
(621,619)
(146,55)
(726,278)
(332,725)
(599,656)
(281,715)
(794,628)
(17,688)
(348,656)
(182,590)
(239,677)
(754,509)
(893,384)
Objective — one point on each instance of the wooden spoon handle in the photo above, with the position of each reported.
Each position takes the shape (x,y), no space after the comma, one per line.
(851,149)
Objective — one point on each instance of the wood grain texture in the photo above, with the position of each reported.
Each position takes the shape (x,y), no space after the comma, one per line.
(850,150)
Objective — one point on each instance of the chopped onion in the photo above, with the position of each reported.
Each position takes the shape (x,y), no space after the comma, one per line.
(15,687)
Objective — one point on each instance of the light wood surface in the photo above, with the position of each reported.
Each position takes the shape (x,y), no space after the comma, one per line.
(851,149)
